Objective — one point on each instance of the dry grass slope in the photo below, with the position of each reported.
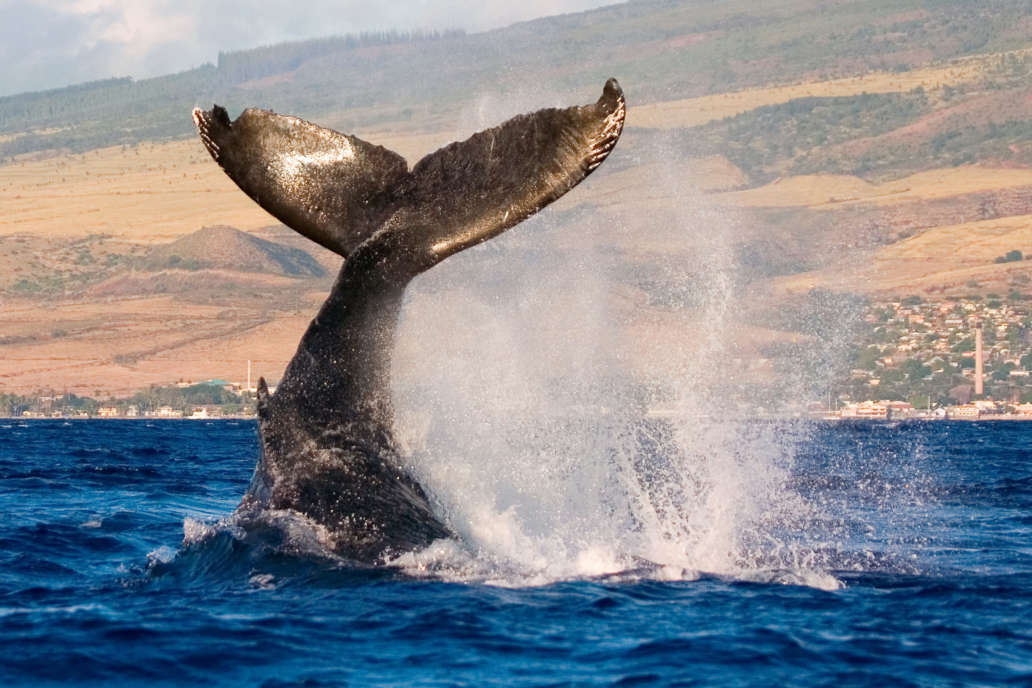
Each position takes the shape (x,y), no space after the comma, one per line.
(830,191)
(133,330)
(942,260)
(690,112)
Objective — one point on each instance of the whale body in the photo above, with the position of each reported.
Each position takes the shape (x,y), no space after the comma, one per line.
(327,447)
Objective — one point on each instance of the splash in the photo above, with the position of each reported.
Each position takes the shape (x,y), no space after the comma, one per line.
(565,434)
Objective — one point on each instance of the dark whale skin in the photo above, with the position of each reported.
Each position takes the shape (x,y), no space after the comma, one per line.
(326,434)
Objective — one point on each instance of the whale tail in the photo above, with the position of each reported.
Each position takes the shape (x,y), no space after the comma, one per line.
(339,190)
(327,446)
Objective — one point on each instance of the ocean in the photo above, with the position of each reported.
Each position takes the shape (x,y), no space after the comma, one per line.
(794,553)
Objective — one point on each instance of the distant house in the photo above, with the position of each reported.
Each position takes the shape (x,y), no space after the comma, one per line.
(877,410)
(108,412)
(165,412)
(967,411)
(865,409)
(899,409)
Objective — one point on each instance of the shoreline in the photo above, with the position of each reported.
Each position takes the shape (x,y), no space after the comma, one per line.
(818,419)
(133,418)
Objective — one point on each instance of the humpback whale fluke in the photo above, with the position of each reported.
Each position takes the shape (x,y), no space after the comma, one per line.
(327,448)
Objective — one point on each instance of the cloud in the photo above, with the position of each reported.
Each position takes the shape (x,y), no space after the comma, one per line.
(51,43)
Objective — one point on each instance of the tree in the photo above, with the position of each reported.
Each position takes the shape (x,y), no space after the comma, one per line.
(915,370)
(919,400)
(965,344)
(867,358)
(1010,257)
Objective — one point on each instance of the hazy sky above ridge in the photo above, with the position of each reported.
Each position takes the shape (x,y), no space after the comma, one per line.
(52,43)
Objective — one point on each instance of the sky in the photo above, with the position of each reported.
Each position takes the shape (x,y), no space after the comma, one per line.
(52,43)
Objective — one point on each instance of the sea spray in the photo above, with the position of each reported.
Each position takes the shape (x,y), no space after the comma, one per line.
(521,397)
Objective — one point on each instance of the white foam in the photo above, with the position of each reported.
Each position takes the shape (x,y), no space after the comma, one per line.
(195,531)
(162,555)
(518,407)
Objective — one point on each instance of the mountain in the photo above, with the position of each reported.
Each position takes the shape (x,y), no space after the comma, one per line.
(663,50)
(202,262)
(227,248)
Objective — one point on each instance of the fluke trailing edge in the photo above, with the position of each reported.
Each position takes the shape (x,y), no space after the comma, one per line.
(327,448)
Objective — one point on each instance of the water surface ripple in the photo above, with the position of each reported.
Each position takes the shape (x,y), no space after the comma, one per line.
(926,527)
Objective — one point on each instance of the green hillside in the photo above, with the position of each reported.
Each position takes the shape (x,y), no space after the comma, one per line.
(662,50)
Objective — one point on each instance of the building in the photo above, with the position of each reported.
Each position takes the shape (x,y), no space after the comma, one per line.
(865,409)
(967,412)
(877,410)
(165,412)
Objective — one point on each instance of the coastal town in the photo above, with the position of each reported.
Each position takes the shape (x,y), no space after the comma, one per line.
(191,400)
(961,358)
(965,358)
(206,399)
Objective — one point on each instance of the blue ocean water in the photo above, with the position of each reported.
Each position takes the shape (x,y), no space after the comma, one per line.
(890,555)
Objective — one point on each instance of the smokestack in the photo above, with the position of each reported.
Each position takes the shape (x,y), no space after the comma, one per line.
(978,360)
(249,370)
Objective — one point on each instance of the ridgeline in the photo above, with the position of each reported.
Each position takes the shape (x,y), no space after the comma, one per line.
(665,50)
